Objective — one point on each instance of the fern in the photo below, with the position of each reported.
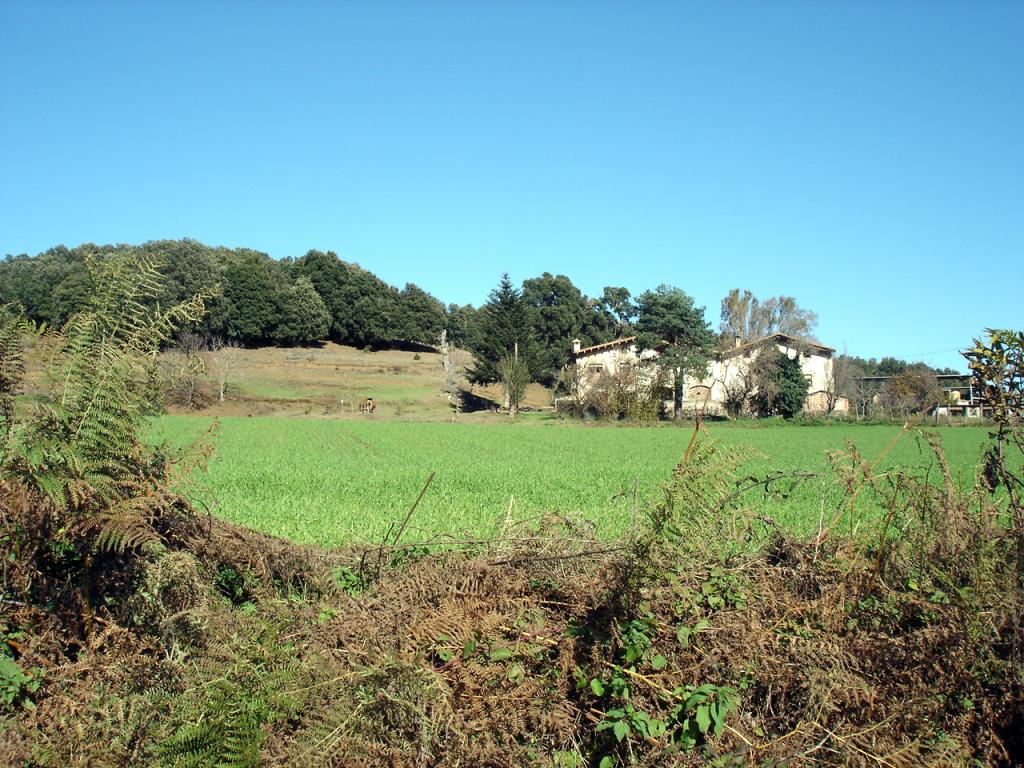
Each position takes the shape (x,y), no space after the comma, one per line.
(77,450)
(13,330)
(193,745)
(227,732)
(82,446)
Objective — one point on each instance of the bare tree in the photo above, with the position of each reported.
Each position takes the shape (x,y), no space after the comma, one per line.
(635,392)
(181,368)
(746,317)
(840,382)
(865,391)
(573,382)
(766,375)
(515,376)
(738,388)
(223,360)
(450,388)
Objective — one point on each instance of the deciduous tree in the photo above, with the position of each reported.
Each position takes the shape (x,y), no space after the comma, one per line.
(618,304)
(747,317)
(420,316)
(252,297)
(304,318)
(558,311)
(515,376)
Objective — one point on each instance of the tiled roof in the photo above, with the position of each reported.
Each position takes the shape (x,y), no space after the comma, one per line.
(730,352)
(625,340)
(777,338)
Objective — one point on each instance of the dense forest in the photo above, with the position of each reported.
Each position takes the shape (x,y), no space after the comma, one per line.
(253,299)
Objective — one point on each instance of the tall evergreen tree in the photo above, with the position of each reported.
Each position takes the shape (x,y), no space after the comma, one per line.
(503,322)
(793,387)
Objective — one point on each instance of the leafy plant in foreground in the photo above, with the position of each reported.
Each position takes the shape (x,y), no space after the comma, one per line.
(76,456)
(998,369)
(16,684)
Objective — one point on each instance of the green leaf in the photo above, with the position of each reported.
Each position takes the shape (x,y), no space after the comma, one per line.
(606,762)
(500,654)
(659,662)
(621,730)
(597,687)
(694,699)
(718,717)
(703,718)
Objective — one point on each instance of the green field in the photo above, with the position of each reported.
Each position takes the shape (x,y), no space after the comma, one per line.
(334,482)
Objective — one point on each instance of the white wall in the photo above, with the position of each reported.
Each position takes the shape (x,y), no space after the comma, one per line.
(816,366)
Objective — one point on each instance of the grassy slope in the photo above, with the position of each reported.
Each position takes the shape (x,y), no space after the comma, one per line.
(332,379)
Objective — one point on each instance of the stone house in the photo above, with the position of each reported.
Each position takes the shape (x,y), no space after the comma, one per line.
(726,371)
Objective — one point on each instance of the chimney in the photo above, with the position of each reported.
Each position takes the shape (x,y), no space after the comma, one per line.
(576,346)
(736,340)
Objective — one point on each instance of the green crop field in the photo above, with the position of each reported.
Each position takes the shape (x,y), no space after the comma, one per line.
(334,482)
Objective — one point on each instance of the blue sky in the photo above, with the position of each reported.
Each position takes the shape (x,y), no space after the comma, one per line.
(864,157)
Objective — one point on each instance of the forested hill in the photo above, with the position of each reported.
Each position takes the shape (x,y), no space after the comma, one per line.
(251,297)
(254,299)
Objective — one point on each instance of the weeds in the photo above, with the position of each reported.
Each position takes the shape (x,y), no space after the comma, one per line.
(709,636)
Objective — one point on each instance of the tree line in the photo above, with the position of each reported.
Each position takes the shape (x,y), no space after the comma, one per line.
(522,333)
(251,298)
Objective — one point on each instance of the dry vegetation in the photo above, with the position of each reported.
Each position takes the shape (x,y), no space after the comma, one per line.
(136,630)
(543,647)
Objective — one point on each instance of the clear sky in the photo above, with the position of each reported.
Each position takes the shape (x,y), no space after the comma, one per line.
(864,157)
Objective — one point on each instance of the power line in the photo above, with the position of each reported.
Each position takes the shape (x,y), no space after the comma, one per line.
(925,354)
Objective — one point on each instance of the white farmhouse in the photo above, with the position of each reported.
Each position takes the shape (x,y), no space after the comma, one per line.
(725,373)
